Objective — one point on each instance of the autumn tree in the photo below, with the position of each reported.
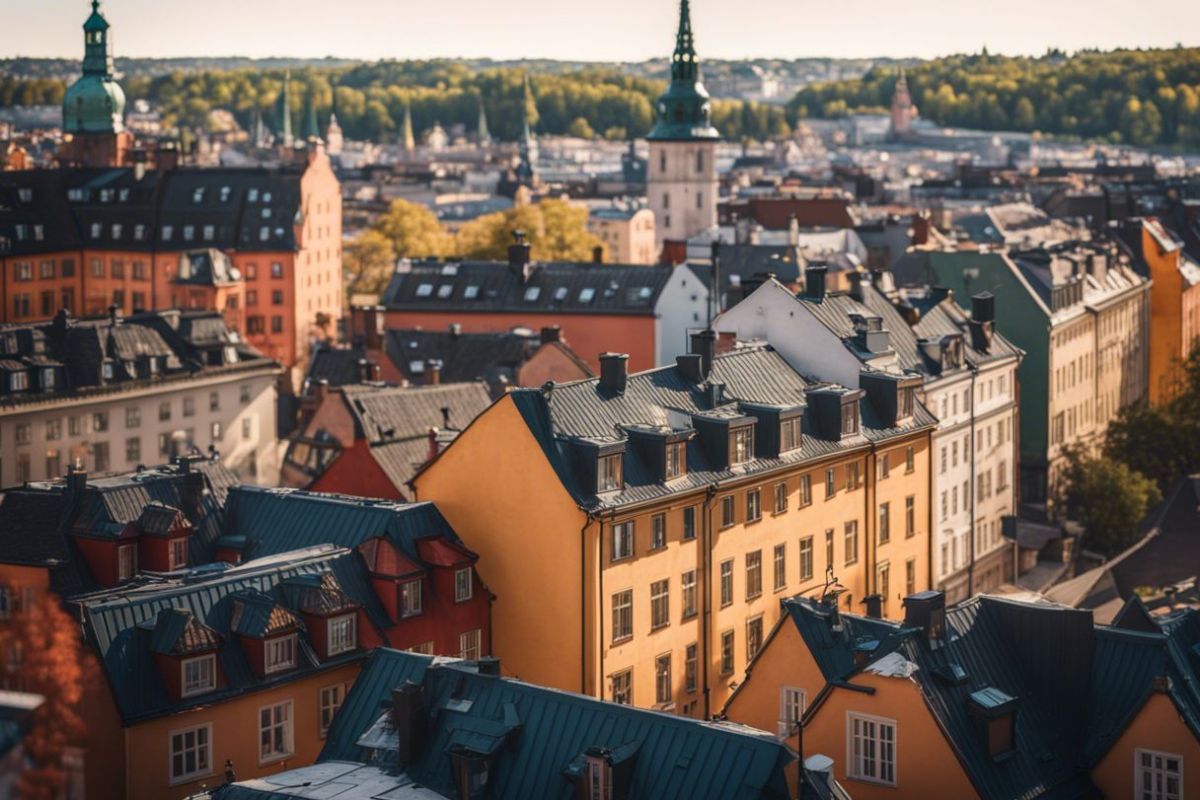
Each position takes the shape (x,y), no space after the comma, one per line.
(555,229)
(367,263)
(413,230)
(46,643)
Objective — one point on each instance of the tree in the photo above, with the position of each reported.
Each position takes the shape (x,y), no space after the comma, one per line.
(555,229)
(47,644)
(1108,497)
(367,264)
(413,230)
(581,128)
(1150,441)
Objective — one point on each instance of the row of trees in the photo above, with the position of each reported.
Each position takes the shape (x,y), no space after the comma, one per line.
(1140,97)
(555,230)
(1146,452)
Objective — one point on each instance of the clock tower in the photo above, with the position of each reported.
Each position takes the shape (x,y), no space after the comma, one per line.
(681,176)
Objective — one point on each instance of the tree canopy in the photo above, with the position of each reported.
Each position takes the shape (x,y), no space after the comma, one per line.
(1109,498)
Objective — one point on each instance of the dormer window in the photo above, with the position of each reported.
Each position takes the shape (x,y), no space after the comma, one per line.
(995,715)
(599,779)
(675,463)
(341,634)
(741,444)
(850,420)
(198,675)
(789,434)
(470,774)
(410,598)
(177,555)
(609,475)
(126,562)
(905,402)
(279,654)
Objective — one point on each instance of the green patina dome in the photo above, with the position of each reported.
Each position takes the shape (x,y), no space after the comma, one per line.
(95,103)
(684,112)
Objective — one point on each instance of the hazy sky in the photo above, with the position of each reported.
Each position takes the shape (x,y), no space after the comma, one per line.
(599,30)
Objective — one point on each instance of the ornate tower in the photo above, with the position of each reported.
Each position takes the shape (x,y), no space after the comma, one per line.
(681,180)
(94,105)
(483,134)
(285,111)
(410,141)
(903,110)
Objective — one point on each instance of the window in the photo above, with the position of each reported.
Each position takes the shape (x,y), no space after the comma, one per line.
(850,419)
(789,434)
(754,505)
(215,431)
(910,516)
(872,749)
(754,637)
(910,577)
(100,421)
(806,558)
(277,297)
(727,652)
(276,324)
(244,394)
(830,486)
(741,445)
(100,456)
(164,412)
(622,687)
(909,459)
(177,556)
(275,731)
(410,598)
(883,581)
(1159,776)
(780,498)
(690,668)
(189,406)
(341,634)
(687,587)
(805,490)
(23,432)
(214,401)
(622,615)
(133,450)
(276,269)
(727,512)
(850,536)
(791,708)
(622,540)
(780,562)
(468,645)
(689,523)
(464,584)
(726,582)
(126,561)
(753,574)
(676,459)
(279,653)
(331,699)
(199,675)
(851,476)
(658,531)
(829,547)
(885,522)
(610,474)
(247,429)
(662,678)
(191,753)
(885,466)
(660,604)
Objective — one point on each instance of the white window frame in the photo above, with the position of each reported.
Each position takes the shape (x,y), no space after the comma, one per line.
(198,688)
(470,644)
(622,543)
(126,561)
(599,779)
(414,609)
(185,777)
(344,643)
(329,701)
(174,560)
(464,591)
(272,661)
(791,699)
(1139,770)
(854,767)
(288,725)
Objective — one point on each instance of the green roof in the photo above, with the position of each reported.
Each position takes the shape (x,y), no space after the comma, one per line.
(684,112)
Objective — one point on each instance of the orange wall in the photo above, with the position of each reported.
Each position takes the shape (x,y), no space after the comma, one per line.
(1157,726)
(785,661)
(588,334)
(1166,319)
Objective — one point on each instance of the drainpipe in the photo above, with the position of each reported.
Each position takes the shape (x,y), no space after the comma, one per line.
(587,522)
(974,490)
(705,551)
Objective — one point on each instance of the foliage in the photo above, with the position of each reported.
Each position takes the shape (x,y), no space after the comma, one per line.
(1140,97)
(51,666)
(1108,497)
(413,230)
(555,229)
(367,264)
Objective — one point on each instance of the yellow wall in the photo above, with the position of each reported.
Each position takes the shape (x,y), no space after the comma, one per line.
(786,661)
(1157,726)
(234,736)
(1166,322)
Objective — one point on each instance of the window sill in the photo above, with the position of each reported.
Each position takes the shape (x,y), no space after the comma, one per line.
(275,759)
(851,563)
(657,628)
(190,778)
(688,617)
(779,512)
(750,597)
(752,521)
(619,560)
(779,589)
(622,640)
(872,781)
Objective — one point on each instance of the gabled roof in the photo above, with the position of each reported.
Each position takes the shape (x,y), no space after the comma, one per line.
(673,757)
(384,414)
(336,365)
(554,287)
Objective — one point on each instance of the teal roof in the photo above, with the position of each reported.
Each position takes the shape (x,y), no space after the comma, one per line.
(537,734)
(684,112)
(95,103)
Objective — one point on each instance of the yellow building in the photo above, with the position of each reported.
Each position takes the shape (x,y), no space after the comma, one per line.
(991,698)
(627,231)
(639,530)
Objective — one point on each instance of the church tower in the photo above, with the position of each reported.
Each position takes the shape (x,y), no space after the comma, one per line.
(903,110)
(681,180)
(94,105)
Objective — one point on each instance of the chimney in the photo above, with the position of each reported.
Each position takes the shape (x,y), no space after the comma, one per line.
(408,718)
(76,480)
(518,256)
(820,768)
(114,314)
(726,341)
(365,372)
(446,417)
(455,329)
(690,367)
(551,333)
(321,390)
(814,282)
(983,321)
(715,392)
(874,604)
(433,372)
(433,444)
(856,285)
(373,327)
(614,369)
(939,293)
(704,344)
(793,231)
(741,230)
(598,254)
(714,285)
(488,665)
(926,610)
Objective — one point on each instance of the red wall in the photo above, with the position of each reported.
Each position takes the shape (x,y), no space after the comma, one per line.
(101,557)
(356,472)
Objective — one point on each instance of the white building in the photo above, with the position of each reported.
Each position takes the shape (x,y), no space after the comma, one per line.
(968,377)
(112,394)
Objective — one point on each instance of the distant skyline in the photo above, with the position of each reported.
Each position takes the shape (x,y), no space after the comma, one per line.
(612,30)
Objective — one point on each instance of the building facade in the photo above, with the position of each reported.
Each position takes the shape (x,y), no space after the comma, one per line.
(627,232)
(702,493)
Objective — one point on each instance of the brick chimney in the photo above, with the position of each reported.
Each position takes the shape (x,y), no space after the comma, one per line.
(614,370)
(433,372)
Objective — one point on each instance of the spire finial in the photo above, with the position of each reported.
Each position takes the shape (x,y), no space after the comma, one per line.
(684,64)
(95,6)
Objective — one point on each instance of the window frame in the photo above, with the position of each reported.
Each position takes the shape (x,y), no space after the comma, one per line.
(663,687)
(327,710)
(660,604)
(288,724)
(779,567)
(188,777)
(785,726)
(658,531)
(272,663)
(461,596)
(781,497)
(408,610)
(629,543)
(807,575)
(854,768)
(1139,769)
(621,605)
(351,641)
(198,689)
(624,677)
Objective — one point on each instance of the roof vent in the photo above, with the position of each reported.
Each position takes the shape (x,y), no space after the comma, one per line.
(983,321)
(814,282)
(995,716)
(489,665)
(614,371)
(927,611)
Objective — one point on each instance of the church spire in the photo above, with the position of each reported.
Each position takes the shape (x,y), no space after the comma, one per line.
(410,141)
(285,111)
(684,113)
(485,135)
(684,64)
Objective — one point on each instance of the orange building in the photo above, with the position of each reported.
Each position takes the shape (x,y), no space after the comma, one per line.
(991,698)
(1174,302)
(662,515)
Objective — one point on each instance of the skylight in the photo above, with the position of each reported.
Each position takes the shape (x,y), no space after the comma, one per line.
(532,293)
(587,294)
(425,290)
(471,292)
(445,290)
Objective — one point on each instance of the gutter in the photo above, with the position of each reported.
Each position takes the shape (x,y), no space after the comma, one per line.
(706,615)
(587,522)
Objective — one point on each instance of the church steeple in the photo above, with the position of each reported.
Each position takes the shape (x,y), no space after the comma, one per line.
(95,103)
(410,141)
(684,113)
(285,111)
(484,135)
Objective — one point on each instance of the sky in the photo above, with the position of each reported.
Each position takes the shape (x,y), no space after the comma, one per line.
(603,30)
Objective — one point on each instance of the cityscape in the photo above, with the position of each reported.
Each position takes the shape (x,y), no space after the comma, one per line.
(493,427)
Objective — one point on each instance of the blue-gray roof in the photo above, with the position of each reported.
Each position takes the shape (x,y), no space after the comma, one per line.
(675,757)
